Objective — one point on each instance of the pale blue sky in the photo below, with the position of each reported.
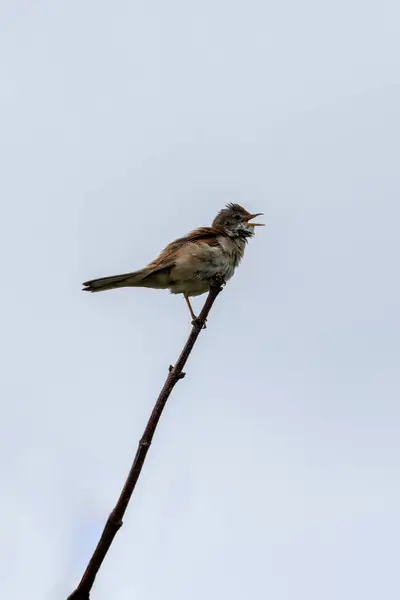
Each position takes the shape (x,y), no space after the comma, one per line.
(275,469)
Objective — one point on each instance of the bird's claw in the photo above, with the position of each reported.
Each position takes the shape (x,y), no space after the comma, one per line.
(218,280)
(198,323)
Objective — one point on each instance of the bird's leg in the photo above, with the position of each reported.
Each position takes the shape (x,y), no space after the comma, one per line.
(190,308)
(194,317)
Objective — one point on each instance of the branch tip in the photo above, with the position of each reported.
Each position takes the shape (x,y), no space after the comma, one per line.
(217,282)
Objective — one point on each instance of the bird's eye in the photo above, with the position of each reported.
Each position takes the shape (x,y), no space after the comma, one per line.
(237,217)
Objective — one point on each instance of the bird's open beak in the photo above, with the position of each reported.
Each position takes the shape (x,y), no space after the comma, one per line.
(253,217)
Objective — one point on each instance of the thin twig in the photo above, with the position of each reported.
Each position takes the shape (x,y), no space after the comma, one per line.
(114,521)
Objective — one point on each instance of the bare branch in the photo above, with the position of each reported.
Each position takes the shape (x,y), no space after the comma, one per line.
(114,521)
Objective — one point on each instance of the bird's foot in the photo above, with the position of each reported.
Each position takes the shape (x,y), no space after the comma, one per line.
(218,281)
(196,321)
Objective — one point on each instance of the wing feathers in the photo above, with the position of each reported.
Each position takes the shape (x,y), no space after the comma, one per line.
(166,259)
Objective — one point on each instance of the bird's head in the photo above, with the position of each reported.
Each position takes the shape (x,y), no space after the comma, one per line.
(234,220)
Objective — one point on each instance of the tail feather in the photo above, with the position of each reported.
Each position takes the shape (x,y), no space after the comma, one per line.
(116,281)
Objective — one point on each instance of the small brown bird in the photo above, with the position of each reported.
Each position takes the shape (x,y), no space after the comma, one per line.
(187,264)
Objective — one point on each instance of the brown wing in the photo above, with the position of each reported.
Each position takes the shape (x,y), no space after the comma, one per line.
(166,258)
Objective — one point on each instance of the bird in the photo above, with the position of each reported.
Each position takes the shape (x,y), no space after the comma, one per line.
(189,264)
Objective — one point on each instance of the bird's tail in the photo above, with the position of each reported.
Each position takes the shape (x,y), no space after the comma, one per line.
(116,281)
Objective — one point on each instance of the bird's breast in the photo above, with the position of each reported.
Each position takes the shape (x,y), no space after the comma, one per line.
(233,249)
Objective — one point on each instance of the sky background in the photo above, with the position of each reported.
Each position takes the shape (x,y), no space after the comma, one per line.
(274,472)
